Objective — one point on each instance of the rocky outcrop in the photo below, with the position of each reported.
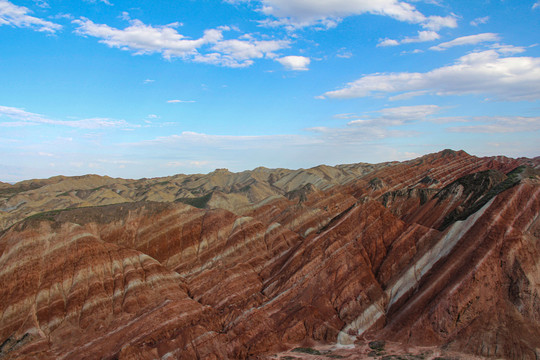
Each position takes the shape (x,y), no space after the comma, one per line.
(439,251)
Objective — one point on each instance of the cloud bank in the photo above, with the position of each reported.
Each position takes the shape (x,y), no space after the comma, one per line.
(485,72)
(210,48)
(301,13)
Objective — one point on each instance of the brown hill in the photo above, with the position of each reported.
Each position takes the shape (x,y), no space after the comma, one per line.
(442,251)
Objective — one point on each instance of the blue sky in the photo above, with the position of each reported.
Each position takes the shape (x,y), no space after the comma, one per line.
(153,88)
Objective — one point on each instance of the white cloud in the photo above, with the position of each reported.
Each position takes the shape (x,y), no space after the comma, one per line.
(327,14)
(146,39)
(239,53)
(500,124)
(148,81)
(387,42)
(25,118)
(383,125)
(432,2)
(19,114)
(211,48)
(346,116)
(344,53)
(62,16)
(351,143)
(395,116)
(357,133)
(17,16)
(479,21)
(295,24)
(107,2)
(407,95)
(436,23)
(508,78)
(364,128)
(216,58)
(244,50)
(414,112)
(536,5)
(314,10)
(423,36)
(190,139)
(175,101)
(42,4)
(191,163)
(507,49)
(296,63)
(467,40)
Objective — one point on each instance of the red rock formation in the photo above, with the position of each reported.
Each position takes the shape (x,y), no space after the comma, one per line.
(438,251)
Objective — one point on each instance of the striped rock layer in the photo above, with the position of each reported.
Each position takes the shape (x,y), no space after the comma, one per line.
(443,250)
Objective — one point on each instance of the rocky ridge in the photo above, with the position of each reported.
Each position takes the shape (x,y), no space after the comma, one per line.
(438,251)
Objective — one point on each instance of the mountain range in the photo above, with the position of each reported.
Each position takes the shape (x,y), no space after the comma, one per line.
(435,257)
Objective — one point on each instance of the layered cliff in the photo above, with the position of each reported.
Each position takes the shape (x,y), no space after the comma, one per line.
(439,251)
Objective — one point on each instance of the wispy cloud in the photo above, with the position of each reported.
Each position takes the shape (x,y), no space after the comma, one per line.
(344,53)
(480,20)
(507,49)
(500,124)
(422,36)
(190,163)
(21,117)
(18,16)
(467,40)
(485,72)
(375,126)
(106,2)
(407,95)
(205,152)
(42,4)
(346,116)
(176,101)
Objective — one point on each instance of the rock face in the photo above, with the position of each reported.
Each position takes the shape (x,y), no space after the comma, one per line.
(441,251)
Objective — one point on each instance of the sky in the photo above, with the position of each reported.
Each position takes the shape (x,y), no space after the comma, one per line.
(139,89)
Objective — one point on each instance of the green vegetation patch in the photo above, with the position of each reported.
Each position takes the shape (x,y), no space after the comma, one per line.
(101,214)
(377,345)
(47,215)
(403,357)
(483,195)
(198,202)
(16,189)
(306,351)
(10,191)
